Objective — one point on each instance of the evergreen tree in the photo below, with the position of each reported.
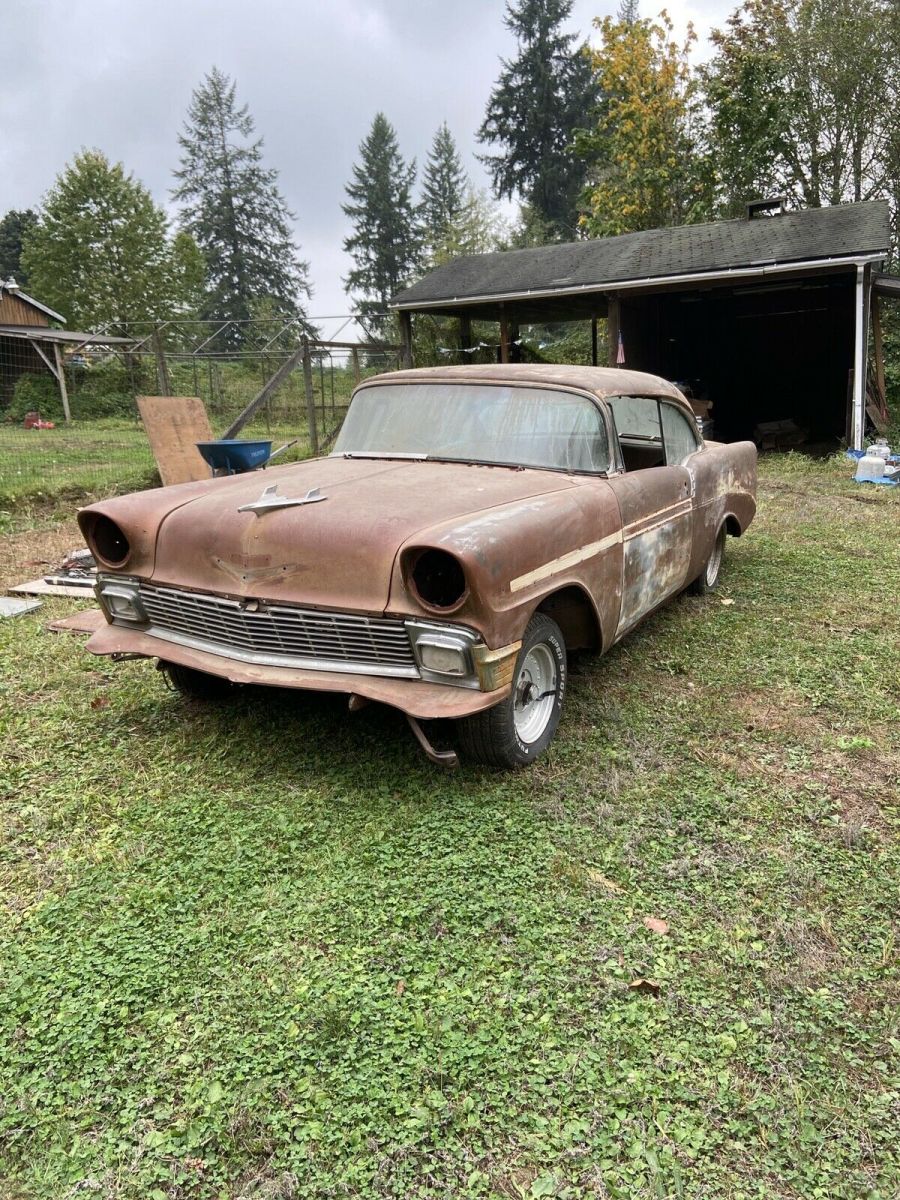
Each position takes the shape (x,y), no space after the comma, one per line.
(455,219)
(629,11)
(100,252)
(540,99)
(14,230)
(233,208)
(445,187)
(386,241)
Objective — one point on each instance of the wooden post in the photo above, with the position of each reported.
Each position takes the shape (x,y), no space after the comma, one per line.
(162,367)
(465,333)
(514,350)
(354,359)
(310,399)
(504,338)
(61,380)
(406,354)
(593,341)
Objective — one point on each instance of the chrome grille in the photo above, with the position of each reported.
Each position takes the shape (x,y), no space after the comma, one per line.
(279,635)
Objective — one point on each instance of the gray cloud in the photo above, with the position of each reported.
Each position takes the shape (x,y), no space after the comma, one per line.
(118,75)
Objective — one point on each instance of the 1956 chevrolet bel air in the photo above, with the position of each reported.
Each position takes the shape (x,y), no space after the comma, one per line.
(471,527)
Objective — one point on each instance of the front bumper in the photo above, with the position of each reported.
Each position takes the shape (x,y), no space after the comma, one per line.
(415,697)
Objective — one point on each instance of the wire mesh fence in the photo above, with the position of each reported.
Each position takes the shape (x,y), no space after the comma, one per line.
(102,448)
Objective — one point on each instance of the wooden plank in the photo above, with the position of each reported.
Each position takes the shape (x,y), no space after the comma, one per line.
(268,388)
(876,416)
(878,339)
(173,425)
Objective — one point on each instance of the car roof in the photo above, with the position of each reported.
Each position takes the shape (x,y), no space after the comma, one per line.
(600,381)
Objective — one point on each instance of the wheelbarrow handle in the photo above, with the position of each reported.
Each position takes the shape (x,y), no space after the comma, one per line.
(281,449)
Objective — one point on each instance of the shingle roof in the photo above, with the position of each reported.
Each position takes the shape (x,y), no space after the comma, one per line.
(844,230)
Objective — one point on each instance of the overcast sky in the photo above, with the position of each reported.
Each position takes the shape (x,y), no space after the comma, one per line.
(118,74)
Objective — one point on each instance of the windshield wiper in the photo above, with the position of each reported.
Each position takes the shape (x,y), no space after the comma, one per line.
(377,454)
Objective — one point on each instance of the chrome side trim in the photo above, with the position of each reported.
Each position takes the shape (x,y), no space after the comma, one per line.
(572,559)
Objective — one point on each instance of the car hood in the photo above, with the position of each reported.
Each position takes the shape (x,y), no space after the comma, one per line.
(337,552)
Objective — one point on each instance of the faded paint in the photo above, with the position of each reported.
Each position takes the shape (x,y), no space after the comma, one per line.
(627,542)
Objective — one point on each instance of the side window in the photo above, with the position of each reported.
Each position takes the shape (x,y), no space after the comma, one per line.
(638,425)
(679,437)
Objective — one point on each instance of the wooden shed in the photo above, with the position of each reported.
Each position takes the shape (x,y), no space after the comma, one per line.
(767,316)
(30,340)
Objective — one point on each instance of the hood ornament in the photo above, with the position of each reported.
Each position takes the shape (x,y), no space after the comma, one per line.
(270,500)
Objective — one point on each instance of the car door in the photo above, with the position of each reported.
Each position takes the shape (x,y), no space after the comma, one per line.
(656,505)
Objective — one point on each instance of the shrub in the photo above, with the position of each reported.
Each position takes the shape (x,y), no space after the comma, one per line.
(102,390)
(35,393)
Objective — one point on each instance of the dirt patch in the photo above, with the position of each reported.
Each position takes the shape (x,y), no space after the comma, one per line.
(29,553)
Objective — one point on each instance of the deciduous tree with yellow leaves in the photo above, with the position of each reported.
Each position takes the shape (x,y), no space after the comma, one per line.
(648,166)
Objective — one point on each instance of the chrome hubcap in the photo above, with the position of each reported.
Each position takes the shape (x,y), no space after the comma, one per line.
(715,560)
(535,693)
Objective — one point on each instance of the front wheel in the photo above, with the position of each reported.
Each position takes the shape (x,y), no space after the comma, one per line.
(518,729)
(712,568)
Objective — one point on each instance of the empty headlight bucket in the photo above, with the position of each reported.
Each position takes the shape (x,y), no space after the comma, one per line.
(106,540)
(444,654)
(437,579)
(121,600)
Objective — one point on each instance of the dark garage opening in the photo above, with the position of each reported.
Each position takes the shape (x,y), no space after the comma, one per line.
(759,353)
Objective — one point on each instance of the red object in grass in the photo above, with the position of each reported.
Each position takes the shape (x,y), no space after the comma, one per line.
(33,421)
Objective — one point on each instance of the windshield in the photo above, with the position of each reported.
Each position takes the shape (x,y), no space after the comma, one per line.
(509,425)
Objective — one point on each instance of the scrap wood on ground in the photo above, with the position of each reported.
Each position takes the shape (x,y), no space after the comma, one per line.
(264,950)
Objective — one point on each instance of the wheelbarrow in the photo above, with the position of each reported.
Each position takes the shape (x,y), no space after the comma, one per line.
(234,456)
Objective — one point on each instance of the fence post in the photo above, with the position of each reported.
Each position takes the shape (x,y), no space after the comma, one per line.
(162,367)
(310,399)
(61,380)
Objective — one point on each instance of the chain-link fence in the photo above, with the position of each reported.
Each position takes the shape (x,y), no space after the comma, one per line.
(102,448)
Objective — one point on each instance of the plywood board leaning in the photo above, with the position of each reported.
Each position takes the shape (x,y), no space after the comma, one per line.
(174,424)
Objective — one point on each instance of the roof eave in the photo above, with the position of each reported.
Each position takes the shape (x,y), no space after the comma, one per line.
(612,286)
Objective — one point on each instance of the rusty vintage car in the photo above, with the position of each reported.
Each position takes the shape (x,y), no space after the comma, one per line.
(472,526)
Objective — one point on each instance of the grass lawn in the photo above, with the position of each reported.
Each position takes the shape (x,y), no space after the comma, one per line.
(107,456)
(269,951)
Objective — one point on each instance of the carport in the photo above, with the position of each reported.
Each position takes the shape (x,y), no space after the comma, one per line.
(766,317)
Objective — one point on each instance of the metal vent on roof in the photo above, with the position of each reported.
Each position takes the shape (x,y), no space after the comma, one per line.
(773,206)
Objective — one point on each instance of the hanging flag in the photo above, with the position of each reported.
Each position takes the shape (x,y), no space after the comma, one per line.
(620,353)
